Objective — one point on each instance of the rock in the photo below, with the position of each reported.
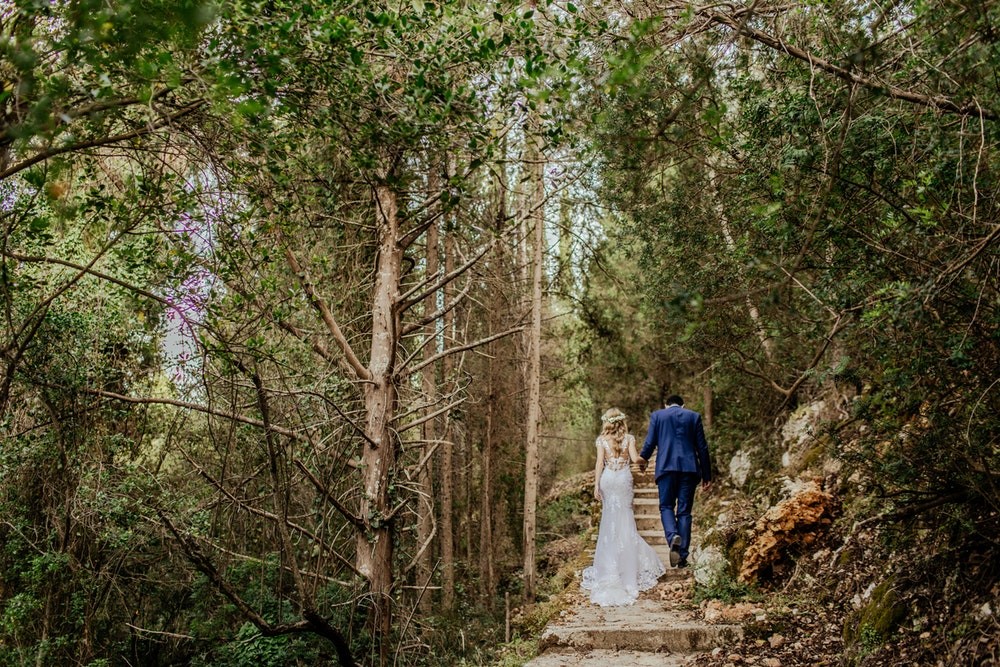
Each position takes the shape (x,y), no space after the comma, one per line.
(739,467)
(794,522)
(717,652)
(878,619)
(734,658)
(708,564)
(801,425)
(822,554)
(771,662)
(776,640)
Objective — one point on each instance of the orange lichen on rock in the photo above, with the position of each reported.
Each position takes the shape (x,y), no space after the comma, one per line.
(793,523)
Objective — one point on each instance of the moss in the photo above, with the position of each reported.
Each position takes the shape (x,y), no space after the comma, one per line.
(845,558)
(872,625)
(516,653)
(735,551)
(814,454)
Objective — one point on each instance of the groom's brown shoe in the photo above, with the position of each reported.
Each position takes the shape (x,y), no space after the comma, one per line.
(675,554)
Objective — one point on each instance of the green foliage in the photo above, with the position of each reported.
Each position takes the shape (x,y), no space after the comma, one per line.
(566,514)
(768,230)
(726,588)
(249,648)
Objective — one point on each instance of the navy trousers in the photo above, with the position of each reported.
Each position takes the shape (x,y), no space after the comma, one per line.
(676,499)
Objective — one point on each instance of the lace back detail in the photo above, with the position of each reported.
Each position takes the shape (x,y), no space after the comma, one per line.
(615,460)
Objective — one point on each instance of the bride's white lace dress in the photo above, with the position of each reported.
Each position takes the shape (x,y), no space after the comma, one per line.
(624,564)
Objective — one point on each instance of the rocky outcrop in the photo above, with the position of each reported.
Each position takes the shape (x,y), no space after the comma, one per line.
(792,524)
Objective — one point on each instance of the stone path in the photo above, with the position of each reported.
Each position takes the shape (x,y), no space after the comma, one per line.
(663,628)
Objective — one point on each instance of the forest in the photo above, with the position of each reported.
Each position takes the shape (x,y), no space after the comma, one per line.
(309,306)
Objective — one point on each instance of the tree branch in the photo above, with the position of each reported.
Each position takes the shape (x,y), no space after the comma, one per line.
(311,622)
(353,365)
(461,348)
(409,300)
(94,143)
(938,102)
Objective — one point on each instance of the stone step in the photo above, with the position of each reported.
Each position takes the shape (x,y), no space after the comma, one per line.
(663,552)
(646,626)
(653,536)
(648,522)
(605,658)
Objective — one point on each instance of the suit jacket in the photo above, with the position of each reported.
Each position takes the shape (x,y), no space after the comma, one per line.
(678,437)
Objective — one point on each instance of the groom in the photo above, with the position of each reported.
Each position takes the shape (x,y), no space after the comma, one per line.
(678,437)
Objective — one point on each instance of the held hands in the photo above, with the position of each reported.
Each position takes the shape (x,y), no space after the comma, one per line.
(642,464)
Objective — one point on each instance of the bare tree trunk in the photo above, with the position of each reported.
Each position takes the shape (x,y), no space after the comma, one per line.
(766,342)
(468,469)
(708,411)
(374,543)
(447,468)
(486,579)
(487,538)
(425,480)
(537,201)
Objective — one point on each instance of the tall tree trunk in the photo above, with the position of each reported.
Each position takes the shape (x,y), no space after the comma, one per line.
(708,408)
(487,588)
(494,319)
(537,201)
(425,479)
(766,342)
(468,469)
(447,468)
(374,543)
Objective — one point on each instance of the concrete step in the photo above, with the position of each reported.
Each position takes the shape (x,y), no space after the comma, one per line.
(604,658)
(646,626)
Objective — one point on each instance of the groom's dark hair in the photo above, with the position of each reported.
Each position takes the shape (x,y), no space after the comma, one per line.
(672,399)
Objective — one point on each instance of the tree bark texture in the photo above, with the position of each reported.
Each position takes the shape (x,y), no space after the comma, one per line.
(425,479)
(447,467)
(379,454)
(536,202)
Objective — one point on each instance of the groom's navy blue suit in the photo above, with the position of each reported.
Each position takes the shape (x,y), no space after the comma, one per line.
(682,460)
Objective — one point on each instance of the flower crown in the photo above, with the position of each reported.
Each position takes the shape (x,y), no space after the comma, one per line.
(613,420)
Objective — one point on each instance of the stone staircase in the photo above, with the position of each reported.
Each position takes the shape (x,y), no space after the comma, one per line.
(660,630)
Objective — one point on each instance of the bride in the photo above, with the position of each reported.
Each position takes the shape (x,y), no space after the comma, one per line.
(624,564)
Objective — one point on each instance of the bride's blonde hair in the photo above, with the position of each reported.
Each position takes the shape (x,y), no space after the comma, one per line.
(615,428)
